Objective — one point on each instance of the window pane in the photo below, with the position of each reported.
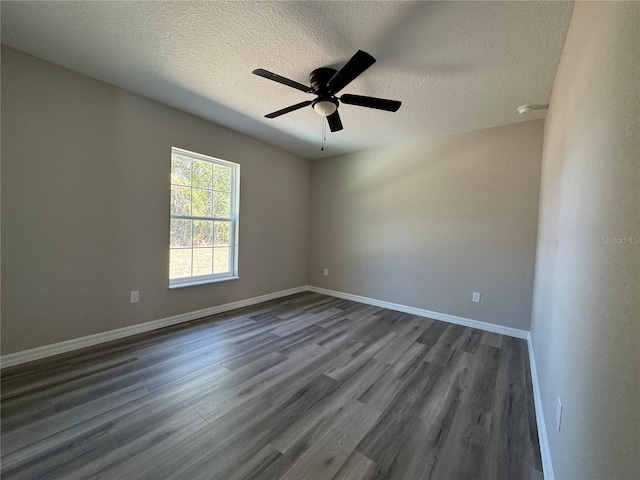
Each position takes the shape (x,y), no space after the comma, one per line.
(201,202)
(180,263)
(221,260)
(202,174)
(180,170)
(202,233)
(221,178)
(221,233)
(180,200)
(202,260)
(221,205)
(180,233)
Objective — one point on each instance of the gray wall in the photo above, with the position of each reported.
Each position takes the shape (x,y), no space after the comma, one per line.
(85,207)
(427,224)
(586,312)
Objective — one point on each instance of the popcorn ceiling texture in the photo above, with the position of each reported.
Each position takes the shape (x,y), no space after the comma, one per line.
(456,66)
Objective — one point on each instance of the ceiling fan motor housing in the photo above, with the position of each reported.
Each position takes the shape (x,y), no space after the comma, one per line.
(319,79)
(326,104)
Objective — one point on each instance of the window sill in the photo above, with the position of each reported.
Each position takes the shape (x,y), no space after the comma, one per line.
(201,282)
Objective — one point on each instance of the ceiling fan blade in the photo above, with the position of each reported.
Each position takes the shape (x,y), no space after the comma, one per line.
(371,102)
(285,81)
(354,67)
(335,124)
(289,109)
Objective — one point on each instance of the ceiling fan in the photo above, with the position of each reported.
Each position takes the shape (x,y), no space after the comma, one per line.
(326,83)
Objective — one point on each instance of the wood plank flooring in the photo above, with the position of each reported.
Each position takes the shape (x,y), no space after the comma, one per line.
(304,387)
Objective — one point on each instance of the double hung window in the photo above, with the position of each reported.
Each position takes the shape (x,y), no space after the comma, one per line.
(204,219)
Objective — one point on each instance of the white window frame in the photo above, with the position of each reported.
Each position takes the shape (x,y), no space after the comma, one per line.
(234,219)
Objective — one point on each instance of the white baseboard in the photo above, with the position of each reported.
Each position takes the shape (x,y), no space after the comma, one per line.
(543,439)
(77,343)
(445,317)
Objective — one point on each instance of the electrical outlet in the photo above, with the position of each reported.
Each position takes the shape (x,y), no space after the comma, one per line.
(135,296)
(559,414)
(476,297)
(326,272)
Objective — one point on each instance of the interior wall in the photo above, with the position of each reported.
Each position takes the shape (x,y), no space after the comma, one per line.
(427,224)
(85,207)
(586,310)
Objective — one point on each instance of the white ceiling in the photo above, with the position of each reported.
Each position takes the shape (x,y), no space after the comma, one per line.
(456,66)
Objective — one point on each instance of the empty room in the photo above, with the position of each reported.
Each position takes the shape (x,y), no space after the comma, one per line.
(320,240)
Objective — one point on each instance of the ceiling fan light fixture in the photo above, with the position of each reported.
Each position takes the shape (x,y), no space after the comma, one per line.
(325,107)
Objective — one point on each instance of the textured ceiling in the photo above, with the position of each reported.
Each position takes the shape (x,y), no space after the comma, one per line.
(456,66)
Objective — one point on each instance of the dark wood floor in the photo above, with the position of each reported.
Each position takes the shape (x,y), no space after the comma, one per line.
(305,387)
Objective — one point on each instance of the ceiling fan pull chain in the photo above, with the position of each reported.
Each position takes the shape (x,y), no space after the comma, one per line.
(324,133)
